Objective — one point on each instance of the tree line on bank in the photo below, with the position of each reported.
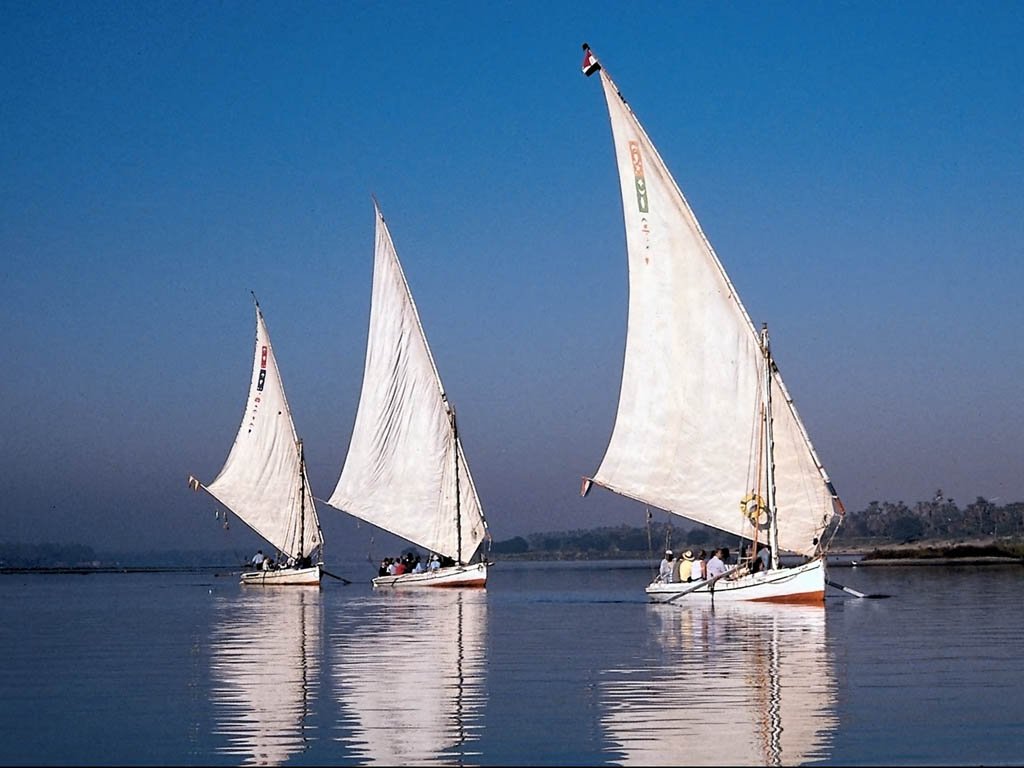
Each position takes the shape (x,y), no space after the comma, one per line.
(18,556)
(878,524)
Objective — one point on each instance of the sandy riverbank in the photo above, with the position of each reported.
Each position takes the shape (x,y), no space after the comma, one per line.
(980,551)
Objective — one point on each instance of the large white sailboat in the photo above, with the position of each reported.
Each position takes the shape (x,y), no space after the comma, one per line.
(705,427)
(263,480)
(405,471)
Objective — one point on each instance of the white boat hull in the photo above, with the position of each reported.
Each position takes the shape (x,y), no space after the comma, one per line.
(308,577)
(803,584)
(474,575)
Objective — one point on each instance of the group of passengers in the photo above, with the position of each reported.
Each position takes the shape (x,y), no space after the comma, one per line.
(261,562)
(412,562)
(690,568)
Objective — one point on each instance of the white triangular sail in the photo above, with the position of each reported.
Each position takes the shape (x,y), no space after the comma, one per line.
(692,380)
(400,471)
(263,480)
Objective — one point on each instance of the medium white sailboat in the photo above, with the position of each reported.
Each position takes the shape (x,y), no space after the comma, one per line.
(405,471)
(263,480)
(705,427)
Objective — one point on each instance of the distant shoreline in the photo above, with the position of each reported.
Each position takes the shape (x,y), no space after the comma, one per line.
(982,551)
(977,551)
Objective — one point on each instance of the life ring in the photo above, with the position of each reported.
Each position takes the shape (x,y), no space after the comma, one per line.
(753,508)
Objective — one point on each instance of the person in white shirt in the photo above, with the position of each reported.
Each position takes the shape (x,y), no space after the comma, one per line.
(665,569)
(716,565)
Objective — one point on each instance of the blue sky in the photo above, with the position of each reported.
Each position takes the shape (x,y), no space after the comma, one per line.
(857,166)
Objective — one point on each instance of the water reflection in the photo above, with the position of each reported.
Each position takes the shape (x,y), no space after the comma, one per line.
(265,663)
(736,684)
(410,675)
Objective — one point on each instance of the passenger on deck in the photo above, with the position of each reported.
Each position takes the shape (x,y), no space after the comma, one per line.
(685,567)
(257,559)
(716,565)
(699,570)
(665,569)
(762,560)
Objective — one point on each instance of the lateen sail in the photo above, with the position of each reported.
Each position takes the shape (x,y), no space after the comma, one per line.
(400,470)
(260,481)
(692,376)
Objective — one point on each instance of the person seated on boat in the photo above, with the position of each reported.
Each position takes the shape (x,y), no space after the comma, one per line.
(684,568)
(716,565)
(762,560)
(420,566)
(698,572)
(385,564)
(268,564)
(435,562)
(397,567)
(257,559)
(666,566)
(304,562)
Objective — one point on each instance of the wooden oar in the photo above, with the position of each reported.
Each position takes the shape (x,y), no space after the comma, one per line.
(707,583)
(328,573)
(853,592)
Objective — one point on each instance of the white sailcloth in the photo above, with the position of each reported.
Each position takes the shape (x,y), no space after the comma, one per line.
(400,470)
(692,378)
(263,481)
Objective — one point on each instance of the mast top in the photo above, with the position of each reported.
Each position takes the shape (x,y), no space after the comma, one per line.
(590,62)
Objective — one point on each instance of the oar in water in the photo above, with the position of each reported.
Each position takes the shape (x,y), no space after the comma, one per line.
(697,586)
(328,573)
(853,592)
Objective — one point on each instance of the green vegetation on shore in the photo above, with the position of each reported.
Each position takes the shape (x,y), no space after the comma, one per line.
(936,529)
(884,530)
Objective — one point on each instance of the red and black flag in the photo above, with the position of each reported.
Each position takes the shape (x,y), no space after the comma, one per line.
(590,62)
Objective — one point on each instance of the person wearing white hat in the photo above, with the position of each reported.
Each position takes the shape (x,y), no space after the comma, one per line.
(665,569)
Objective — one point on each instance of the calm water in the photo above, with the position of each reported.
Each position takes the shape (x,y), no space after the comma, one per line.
(553,664)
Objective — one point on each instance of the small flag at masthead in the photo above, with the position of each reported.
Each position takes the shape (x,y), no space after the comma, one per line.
(590,62)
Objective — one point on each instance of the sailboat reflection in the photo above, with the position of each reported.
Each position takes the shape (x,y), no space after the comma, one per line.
(736,684)
(265,665)
(410,672)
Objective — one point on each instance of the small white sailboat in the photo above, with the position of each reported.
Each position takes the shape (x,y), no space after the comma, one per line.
(705,427)
(263,480)
(405,471)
